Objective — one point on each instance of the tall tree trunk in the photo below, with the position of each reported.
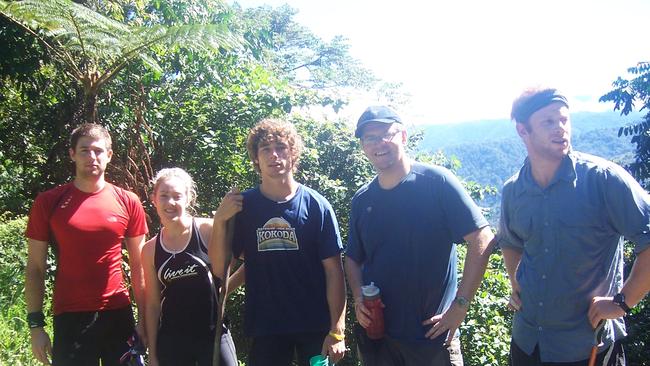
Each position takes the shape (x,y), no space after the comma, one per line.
(89,108)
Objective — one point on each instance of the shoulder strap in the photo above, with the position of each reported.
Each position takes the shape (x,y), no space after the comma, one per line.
(196,233)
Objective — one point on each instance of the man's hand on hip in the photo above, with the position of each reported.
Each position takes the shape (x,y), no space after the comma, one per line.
(603,308)
(450,320)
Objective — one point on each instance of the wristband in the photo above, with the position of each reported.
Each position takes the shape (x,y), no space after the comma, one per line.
(462,301)
(35,319)
(338,337)
(619,299)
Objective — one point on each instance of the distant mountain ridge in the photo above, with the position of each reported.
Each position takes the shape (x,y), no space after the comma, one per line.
(437,136)
(490,151)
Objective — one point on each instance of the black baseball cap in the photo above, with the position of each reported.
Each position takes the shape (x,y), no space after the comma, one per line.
(380,113)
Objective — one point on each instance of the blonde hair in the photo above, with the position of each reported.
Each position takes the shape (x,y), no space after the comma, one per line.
(169,173)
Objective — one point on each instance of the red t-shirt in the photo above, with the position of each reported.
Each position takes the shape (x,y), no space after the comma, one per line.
(88,229)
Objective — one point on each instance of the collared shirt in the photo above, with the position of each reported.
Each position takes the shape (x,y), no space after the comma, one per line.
(571,237)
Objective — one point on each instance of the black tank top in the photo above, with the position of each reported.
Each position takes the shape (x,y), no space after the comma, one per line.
(188,298)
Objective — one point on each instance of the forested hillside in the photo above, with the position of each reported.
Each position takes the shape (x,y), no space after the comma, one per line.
(437,136)
(489,152)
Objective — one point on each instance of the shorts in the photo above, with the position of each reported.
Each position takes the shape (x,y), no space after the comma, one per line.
(612,356)
(183,348)
(85,338)
(279,350)
(392,352)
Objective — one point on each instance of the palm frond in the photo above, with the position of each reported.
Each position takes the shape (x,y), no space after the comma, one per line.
(69,26)
(62,19)
(79,36)
(205,37)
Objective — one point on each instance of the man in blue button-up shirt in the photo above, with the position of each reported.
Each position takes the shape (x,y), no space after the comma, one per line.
(563,219)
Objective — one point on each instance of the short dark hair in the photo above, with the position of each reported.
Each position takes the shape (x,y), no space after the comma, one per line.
(94,130)
(271,129)
(533,99)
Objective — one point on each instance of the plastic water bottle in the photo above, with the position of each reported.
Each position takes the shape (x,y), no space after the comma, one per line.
(372,301)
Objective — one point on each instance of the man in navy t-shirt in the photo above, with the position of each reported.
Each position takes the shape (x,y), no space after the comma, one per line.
(403,228)
(288,236)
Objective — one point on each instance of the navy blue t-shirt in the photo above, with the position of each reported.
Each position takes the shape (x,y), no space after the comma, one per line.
(283,244)
(404,239)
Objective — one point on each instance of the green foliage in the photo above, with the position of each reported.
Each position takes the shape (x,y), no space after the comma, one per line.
(13,247)
(32,139)
(627,91)
(86,41)
(630,94)
(293,51)
(15,348)
(637,343)
(485,334)
(333,164)
(33,100)
(177,12)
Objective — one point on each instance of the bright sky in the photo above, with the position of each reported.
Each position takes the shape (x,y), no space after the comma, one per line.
(468,59)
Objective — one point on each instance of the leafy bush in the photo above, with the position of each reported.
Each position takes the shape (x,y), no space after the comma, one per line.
(637,343)
(15,347)
(485,334)
(13,247)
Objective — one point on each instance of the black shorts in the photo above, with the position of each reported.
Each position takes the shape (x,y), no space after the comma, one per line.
(83,338)
(611,356)
(392,352)
(193,350)
(279,350)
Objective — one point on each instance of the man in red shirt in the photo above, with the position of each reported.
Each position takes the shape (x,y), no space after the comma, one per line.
(86,221)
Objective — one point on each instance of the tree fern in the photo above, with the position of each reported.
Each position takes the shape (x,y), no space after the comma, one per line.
(94,48)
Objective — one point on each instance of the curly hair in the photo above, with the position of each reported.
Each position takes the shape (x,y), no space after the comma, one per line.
(269,130)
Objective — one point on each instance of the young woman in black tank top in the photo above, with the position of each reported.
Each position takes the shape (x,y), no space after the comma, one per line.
(180,289)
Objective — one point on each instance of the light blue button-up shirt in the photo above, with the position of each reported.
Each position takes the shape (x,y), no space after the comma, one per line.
(571,237)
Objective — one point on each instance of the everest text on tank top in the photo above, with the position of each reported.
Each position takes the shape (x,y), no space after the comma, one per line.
(188,296)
